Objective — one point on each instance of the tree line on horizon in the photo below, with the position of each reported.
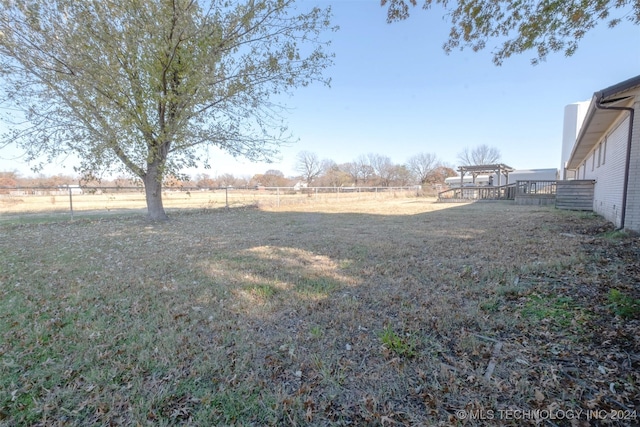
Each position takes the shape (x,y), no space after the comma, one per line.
(349,174)
(371,170)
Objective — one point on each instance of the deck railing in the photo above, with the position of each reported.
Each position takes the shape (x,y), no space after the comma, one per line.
(521,190)
(535,187)
(503,192)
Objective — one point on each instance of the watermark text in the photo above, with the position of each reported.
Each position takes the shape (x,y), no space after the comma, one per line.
(547,414)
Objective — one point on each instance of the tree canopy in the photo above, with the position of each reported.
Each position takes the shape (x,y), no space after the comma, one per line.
(541,26)
(423,165)
(308,165)
(149,86)
(480,155)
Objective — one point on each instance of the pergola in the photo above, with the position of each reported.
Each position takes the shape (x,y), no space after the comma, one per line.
(499,169)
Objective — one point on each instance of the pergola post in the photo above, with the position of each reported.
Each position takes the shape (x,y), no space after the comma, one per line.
(499,169)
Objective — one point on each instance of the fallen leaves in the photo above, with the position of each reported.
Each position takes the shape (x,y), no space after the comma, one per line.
(271,318)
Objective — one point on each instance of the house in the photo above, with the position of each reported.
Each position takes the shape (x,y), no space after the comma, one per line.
(69,189)
(300,185)
(606,149)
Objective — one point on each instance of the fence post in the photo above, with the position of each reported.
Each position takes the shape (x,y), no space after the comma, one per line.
(70,201)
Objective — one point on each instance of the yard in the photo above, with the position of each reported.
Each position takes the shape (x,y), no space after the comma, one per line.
(398,311)
(21,203)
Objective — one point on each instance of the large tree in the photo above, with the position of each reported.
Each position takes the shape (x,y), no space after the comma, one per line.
(353,170)
(309,166)
(227,180)
(541,26)
(480,155)
(8,179)
(333,175)
(149,86)
(382,167)
(401,175)
(365,170)
(423,166)
(271,178)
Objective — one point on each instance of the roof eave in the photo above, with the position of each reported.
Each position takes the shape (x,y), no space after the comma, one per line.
(583,144)
(603,94)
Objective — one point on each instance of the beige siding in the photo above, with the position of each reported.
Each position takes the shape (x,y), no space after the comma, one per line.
(607,198)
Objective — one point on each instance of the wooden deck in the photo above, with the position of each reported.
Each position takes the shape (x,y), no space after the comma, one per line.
(576,195)
(536,192)
(474,193)
(570,195)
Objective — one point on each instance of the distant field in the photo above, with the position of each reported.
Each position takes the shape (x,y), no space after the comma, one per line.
(126,200)
(381,311)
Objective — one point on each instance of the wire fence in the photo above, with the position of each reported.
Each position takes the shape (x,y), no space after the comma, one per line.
(76,199)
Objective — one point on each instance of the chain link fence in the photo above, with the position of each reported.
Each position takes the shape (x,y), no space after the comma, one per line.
(74,200)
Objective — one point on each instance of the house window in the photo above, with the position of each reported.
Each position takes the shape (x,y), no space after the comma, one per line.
(604,150)
(593,162)
(599,154)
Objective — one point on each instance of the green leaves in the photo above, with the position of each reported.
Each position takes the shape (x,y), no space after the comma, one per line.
(154,84)
(520,26)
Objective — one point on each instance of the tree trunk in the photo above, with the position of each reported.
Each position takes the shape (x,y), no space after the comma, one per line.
(153,193)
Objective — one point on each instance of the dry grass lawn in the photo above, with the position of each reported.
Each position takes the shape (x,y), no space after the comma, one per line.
(377,312)
(119,201)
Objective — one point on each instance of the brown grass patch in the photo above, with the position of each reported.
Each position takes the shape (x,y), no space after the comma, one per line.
(382,312)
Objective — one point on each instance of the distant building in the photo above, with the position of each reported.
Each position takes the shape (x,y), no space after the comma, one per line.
(454,181)
(606,149)
(573,119)
(512,178)
(300,185)
(66,188)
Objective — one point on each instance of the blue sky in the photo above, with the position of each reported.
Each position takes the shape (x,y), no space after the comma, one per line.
(396,93)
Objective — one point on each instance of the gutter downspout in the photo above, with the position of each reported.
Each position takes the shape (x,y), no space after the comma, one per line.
(627,164)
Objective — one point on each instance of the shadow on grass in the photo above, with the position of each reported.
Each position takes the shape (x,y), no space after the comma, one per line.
(180,322)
